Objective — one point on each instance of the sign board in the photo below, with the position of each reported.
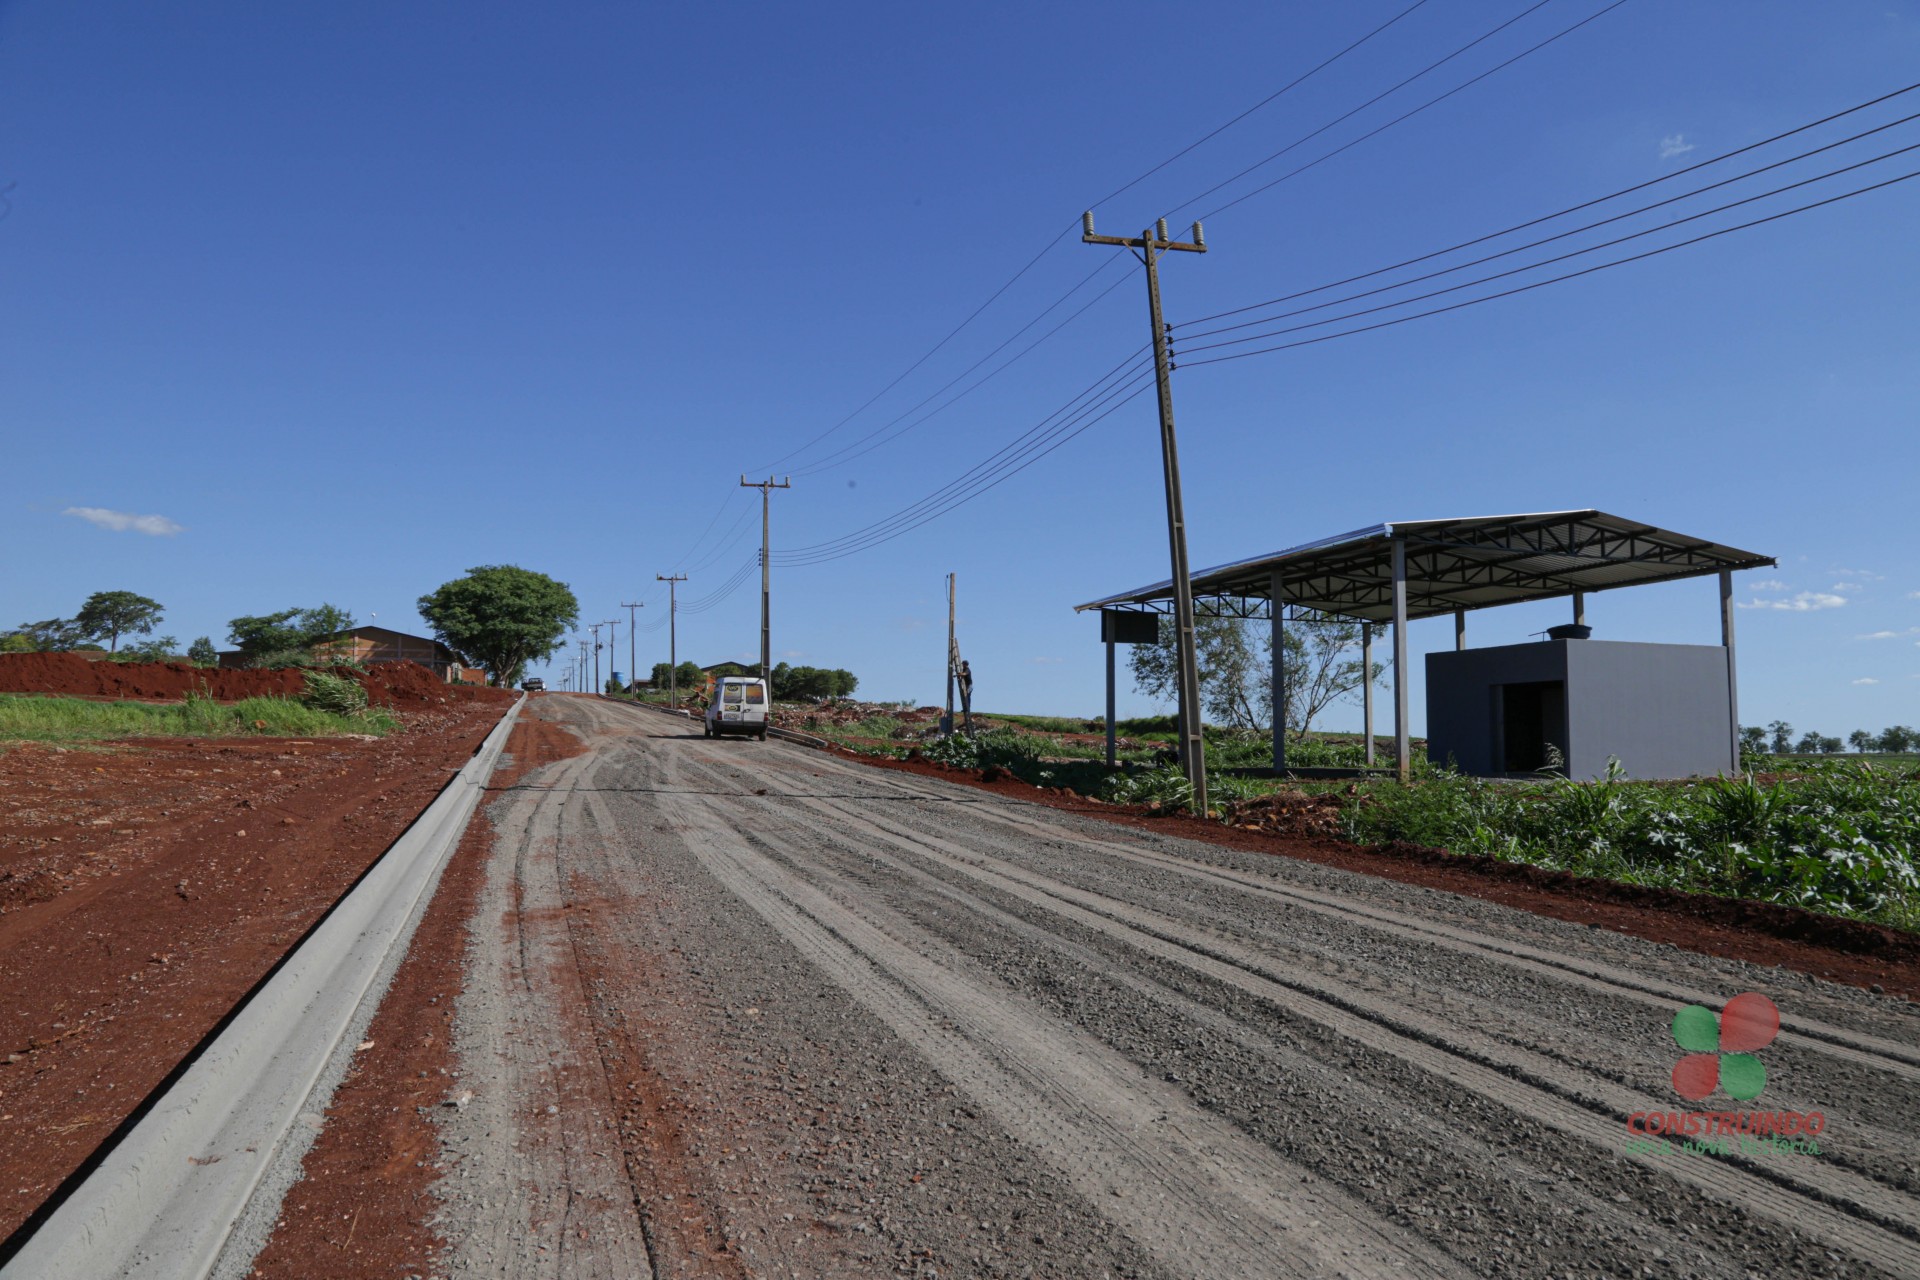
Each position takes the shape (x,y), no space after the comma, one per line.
(1124,626)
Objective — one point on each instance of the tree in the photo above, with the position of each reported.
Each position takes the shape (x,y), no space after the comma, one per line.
(157,650)
(201,652)
(1898,738)
(1782,737)
(1861,740)
(288,634)
(1236,680)
(53,635)
(15,642)
(108,615)
(500,617)
(1809,744)
(803,684)
(1753,739)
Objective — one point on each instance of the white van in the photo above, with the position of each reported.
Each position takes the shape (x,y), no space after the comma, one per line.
(739,706)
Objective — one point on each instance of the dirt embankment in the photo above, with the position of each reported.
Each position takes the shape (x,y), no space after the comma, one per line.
(146,888)
(388,684)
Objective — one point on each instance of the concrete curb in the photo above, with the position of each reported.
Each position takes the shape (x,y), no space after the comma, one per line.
(164,1202)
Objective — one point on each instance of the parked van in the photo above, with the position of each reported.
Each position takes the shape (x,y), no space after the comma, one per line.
(739,706)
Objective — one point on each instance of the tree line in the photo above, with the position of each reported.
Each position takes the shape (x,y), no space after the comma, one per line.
(498,617)
(1777,739)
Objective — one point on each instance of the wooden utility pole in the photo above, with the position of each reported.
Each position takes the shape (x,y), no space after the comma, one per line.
(952,649)
(633,671)
(595,628)
(1148,246)
(673,642)
(613,648)
(766,488)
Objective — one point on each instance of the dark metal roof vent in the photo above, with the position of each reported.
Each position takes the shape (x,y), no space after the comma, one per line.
(1570,631)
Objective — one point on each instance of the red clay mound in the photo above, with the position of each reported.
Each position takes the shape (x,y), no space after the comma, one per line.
(388,684)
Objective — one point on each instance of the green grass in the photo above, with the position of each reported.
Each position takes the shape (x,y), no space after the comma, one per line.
(1841,837)
(32,718)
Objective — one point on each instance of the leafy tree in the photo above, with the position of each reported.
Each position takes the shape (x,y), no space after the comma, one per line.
(797,684)
(158,650)
(1809,743)
(1898,738)
(1753,739)
(15,642)
(1318,659)
(108,615)
(201,652)
(1861,740)
(501,617)
(53,635)
(1782,737)
(287,635)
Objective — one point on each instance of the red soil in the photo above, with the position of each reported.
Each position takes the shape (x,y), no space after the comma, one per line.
(146,888)
(388,684)
(365,1198)
(1848,951)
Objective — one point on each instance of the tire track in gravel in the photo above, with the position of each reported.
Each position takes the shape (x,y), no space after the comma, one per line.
(1846,1210)
(1835,1042)
(1198,1193)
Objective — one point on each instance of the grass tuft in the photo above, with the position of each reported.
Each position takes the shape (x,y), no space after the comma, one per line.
(34,718)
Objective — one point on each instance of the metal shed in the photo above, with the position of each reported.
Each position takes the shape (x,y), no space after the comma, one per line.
(1396,572)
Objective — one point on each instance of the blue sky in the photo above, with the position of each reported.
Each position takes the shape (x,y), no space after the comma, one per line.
(353,298)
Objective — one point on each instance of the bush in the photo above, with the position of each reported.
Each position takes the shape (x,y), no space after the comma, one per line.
(336,694)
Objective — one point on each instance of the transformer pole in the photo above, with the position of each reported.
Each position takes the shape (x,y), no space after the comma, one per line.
(673,643)
(595,628)
(633,671)
(1148,247)
(766,488)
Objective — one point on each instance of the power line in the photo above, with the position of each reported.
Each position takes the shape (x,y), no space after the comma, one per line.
(1544,262)
(1066,230)
(1586,204)
(1399,119)
(720,593)
(1572,275)
(955,495)
(827,463)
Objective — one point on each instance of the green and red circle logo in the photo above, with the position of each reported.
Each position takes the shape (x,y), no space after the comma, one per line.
(1720,1047)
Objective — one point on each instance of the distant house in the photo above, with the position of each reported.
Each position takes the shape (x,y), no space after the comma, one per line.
(369,645)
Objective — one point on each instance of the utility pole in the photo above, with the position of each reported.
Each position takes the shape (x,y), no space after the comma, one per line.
(947,725)
(673,643)
(613,648)
(633,671)
(766,488)
(1148,247)
(595,628)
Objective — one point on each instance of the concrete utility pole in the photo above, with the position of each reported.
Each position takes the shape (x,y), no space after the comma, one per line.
(766,488)
(633,671)
(673,643)
(1148,246)
(595,628)
(613,649)
(946,726)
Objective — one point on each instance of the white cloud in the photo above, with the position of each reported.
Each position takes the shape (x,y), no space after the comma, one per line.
(1889,635)
(121,521)
(1805,602)
(1866,680)
(1675,144)
(1768,584)
(1913,595)
(1865,575)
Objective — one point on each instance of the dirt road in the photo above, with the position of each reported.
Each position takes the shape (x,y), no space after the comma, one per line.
(742,1009)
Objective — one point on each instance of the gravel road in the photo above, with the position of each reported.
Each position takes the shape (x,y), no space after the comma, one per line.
(747,1009)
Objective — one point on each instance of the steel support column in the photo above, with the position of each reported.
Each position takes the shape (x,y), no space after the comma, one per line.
(1459,629)
(1733,691)
(1366,696)
(1278,676)
(1402,730)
